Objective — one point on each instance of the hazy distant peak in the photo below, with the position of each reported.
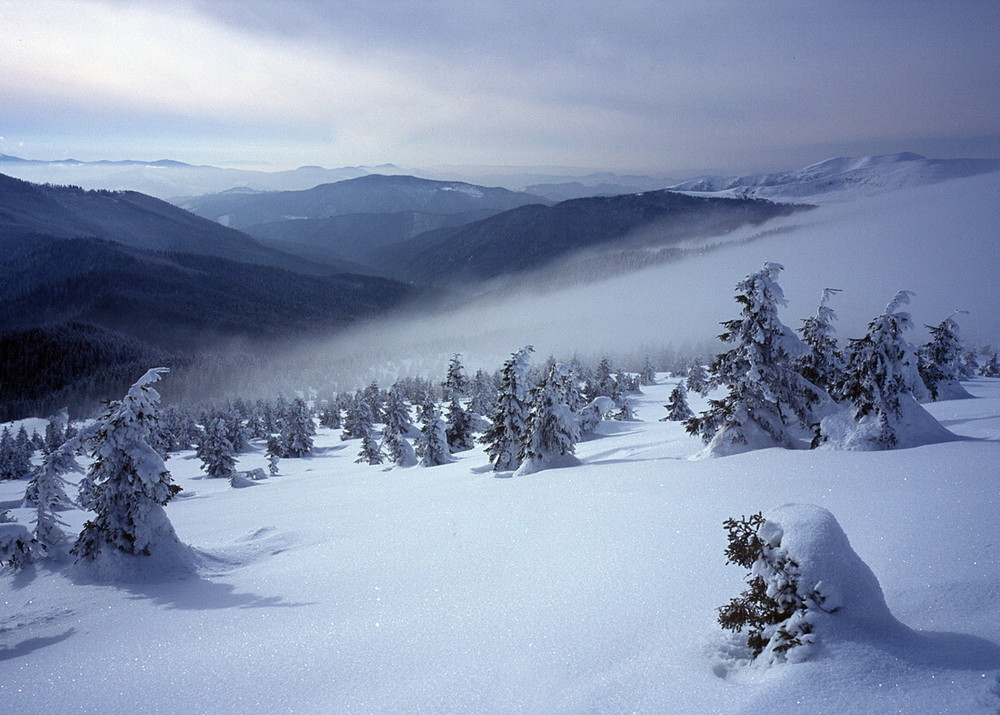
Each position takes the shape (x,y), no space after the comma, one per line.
(844,174)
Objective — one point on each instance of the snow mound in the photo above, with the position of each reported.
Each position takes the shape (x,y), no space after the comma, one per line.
(951,390)
(168,560)
(914,427)
(530,466)
(851,597)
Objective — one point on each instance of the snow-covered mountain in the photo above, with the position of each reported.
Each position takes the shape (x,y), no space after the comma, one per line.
(866,174)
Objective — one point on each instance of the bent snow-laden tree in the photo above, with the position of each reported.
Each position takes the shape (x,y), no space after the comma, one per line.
(824,362)
(941,360)
(509,416)
(882,386)
(128,483)
(769,403)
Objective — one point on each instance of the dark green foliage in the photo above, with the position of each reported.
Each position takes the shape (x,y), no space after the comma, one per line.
(74,365)
(754,611)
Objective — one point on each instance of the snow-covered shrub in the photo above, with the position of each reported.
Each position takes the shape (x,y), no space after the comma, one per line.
(805,584)
(595,411)
(16,545)
(773,610)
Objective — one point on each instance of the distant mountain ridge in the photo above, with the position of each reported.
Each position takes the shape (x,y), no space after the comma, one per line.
(372,194)
(854,174)
(132,219)
(534,236)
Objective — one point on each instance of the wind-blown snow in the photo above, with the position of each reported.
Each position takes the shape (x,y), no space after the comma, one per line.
(338,587)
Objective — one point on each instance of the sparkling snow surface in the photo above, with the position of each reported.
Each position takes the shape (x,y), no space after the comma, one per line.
(338,587)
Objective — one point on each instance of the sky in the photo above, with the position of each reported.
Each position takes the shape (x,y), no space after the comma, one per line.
(665,87)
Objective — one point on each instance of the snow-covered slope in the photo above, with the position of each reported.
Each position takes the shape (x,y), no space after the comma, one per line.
(337,587)
(866,174)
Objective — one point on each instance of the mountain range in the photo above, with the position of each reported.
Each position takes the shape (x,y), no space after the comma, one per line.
(865,174)
(128,265)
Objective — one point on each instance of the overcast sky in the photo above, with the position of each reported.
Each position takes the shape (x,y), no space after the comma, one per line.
(668,87)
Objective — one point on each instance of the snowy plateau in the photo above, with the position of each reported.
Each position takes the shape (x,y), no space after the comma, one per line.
(338,587)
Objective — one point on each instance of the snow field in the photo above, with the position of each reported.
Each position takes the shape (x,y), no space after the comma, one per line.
(338,587)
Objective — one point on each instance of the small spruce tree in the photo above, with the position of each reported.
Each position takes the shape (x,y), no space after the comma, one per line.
(552,430)
(215,450)
(509,416)
(677,405)
(297,435)
(432,442)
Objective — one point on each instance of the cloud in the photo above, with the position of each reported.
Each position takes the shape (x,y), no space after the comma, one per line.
(633,84)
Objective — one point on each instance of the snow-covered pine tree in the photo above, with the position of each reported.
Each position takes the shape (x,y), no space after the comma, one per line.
(15,459)
(329,414)
(130,483)
(397,449)
(882,385)
(274,452)
(552,431)
(677,406)
(218,458)
(941,360)
(768,403)
(509,416)
(432,442)
(17,549)
(625,411)
(484,394)
(647,376)
(370,452)
(375,400)
(358,418)
(697,379)
(297,435)
(455,384)
(47,490)
(236,428)
(25,444)
(459,426)
(397,412)
(991,368)
(824,362)
(604,383)
(55,430)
